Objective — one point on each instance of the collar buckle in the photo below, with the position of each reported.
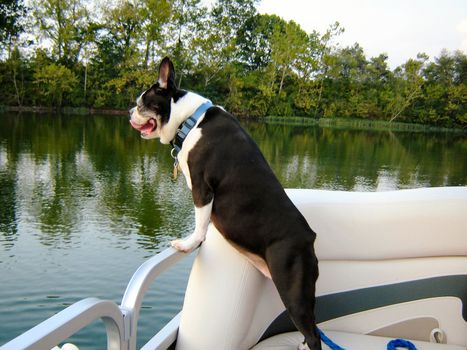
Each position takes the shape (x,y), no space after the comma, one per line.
(186,127)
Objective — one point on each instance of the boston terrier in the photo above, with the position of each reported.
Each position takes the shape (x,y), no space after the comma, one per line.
(234,188)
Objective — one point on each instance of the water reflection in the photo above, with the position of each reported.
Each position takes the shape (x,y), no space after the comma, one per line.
(65,174)
(61,174)
(313,157)
(8,226)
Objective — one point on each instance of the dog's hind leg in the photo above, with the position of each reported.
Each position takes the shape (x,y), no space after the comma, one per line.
(294,270)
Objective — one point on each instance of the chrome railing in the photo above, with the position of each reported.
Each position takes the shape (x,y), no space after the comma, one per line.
(121,322)
(139,284)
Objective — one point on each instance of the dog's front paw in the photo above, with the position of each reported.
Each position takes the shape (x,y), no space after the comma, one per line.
(303,346)
(185,245)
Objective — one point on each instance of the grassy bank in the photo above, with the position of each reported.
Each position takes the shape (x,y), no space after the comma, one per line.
(361,124)
(63,110)
(338,123)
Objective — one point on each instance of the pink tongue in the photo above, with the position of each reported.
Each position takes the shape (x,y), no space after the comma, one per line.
(148,127)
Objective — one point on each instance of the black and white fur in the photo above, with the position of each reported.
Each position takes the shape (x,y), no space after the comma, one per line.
(234,188)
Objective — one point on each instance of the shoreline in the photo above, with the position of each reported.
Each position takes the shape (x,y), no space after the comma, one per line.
(360,124)
(64,110)
(354,123)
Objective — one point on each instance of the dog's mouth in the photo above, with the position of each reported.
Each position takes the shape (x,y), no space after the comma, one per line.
(145,129)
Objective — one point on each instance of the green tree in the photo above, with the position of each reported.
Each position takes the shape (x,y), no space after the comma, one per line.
(344,92)
(15,76)
(287,46)
(184,26)
(408,86)
(53,81)
(253,40)
(154,14)
(115,67)
(445,89)
(312,68)
(284,43)
(64,23)
(124,24)
(257,84)
(377,86)
(11,25)
(215,48)
(254,64)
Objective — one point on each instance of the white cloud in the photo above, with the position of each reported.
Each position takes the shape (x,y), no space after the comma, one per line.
(462,26)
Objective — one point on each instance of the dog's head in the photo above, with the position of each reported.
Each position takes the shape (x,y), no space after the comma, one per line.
(153,107)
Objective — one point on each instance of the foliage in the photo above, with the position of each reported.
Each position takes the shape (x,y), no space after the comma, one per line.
(103,54)
(54,81)
(11,13)
(64,22)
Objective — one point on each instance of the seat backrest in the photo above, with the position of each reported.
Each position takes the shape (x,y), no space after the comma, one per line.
(228,303)
(363,239)
(386,225)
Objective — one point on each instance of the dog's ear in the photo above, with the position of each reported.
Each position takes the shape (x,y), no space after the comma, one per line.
(166,74)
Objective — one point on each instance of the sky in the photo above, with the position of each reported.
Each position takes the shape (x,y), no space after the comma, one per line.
(399,28)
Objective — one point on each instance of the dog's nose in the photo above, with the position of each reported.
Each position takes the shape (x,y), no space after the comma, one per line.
(131,112)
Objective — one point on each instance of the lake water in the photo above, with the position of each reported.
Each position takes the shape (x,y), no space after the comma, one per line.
(84,201)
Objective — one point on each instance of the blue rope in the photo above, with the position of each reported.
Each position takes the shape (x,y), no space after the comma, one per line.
(392,345)
(329,342)
(401,343)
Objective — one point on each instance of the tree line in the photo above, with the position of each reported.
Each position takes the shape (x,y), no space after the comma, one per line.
(78,53)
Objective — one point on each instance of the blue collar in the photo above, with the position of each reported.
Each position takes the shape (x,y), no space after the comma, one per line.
(187,125)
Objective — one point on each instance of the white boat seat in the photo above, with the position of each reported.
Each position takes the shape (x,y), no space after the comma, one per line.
(367,242)
(289,341)
(375,225)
